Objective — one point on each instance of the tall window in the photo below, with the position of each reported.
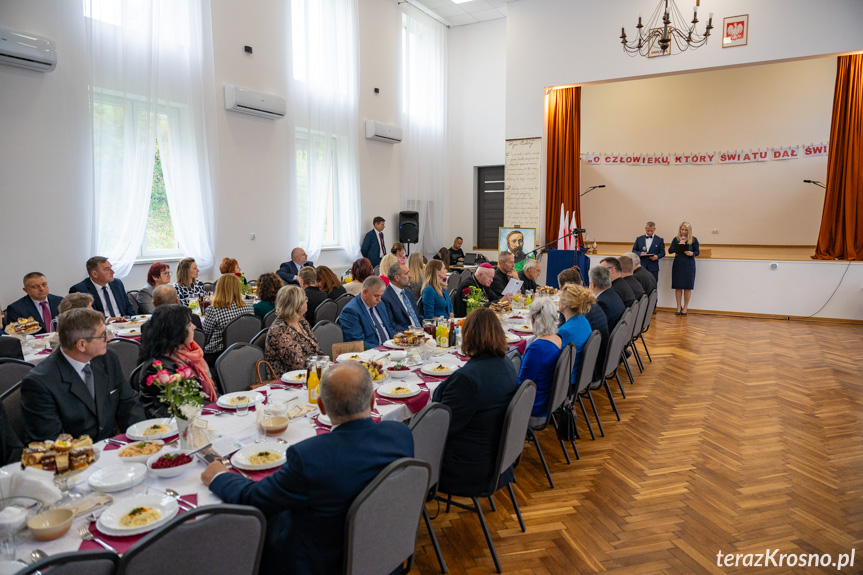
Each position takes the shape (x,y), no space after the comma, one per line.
(324,98)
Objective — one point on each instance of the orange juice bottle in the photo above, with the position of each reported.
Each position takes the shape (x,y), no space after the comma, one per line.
(314,387)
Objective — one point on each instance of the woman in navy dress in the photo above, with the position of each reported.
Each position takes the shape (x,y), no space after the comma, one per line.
(683,268)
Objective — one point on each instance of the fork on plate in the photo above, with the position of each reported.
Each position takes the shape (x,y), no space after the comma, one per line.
(85,534)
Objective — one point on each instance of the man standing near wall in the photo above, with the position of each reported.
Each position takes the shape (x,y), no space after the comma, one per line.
(650,249)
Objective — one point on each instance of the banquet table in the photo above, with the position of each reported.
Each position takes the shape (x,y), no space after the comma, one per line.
(230,431)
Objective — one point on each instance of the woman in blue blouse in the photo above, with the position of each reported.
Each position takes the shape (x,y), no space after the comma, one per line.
(540,358)
(436,302)
(575,302)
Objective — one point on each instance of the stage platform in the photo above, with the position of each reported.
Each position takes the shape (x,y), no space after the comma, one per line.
(726,252)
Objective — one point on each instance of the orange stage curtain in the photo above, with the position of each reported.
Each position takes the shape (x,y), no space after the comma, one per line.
(841,235)
(564,160)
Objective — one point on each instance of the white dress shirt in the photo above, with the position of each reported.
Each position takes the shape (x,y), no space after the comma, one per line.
(101,293)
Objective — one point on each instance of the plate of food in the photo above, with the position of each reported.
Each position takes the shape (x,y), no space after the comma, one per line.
(62,456)
(23,326)
(324,420)
(140,451)
(232,400)
(438,369)
(117,477)
(523,328)
(351,356)
(296,376)
(376,370)
(512,338)
(152,429)
(137,515)
(406,339)
(259,456)
(399,390)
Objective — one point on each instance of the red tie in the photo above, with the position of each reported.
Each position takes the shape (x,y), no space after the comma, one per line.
(46,316)
(381,236)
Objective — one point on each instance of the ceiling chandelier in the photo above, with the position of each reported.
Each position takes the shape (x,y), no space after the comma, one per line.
(666,25)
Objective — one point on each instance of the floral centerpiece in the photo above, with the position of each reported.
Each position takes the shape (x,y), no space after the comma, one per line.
(245,289)
(182,393)
(474,297)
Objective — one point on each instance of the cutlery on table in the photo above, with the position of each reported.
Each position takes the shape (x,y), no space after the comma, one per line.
(85,534)
(116,441)
(171,493)
(227,463)
(37,555)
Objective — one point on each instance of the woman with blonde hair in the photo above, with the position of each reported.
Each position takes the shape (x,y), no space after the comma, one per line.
(575,302)
(685,248)
(227,305)
(436,301)
(416,265)
(329,282)
(187,285)
(540,357)
(290,339)
(385,264)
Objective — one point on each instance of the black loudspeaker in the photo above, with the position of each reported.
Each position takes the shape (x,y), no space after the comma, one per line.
(409,227)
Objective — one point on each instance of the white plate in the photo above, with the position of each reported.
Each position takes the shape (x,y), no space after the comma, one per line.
(139,458)
(240,459)
(109,521)
(225,400)
(117,477)
(512,338)
(523,328)
(428,369)
(291,376)
(130,331)
(142,317)
(325,419)
(385,390)
(136,432)
(356,356)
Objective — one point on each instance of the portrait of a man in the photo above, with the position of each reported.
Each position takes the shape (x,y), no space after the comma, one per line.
(519,241)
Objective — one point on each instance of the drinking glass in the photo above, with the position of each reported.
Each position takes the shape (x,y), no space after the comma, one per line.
(429,326)
(243,409)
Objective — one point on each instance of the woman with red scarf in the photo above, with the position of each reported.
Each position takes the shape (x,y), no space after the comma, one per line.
(169,338)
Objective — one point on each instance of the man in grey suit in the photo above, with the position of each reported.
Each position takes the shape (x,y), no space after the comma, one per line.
(80,389)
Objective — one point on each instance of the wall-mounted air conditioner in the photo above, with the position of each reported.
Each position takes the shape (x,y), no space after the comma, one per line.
(27,50)
(383,132)
(247,101)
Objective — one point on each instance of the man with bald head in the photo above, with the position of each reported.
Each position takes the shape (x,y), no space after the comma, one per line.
(306,501)
(288,271)
(626,276)
(640,273)
(481,278)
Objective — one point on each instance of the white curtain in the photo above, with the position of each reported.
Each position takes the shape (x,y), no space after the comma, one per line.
(424,70)
(324,102)
(149,64)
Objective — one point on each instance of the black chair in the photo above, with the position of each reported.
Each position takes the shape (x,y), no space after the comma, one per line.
(343,300)
(127,351)
(10,346)
(133,299)
(12,371)
(327,333)
(269,318)
(589,356)
(195,543)
(376,271)
(260,339)
(327,310)
(429,428)
(135,378)
(616,343)
(382,522)
(652,298)
(513,431)
(637,326)
(235,367)
(632,310)
(559,390)
(242,329)
(11,400)
(208,286)
(75,563)
(200,338)
(452,281)
(196,321)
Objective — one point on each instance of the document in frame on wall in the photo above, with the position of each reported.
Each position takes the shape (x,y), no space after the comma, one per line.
(513,287)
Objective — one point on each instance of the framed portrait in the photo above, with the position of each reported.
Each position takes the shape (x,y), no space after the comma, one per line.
(735,31)
(519,241)
(653,49)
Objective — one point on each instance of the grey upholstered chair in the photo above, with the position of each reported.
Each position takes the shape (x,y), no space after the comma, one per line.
(269,318)
(132,296)
(11,400)
(327,333)
(236,367)
(127,352)
(429,428)
(616,343)
(652,298)
(242,329)
(633,311)
(195,543)
(200,338)
(12,371)
(11,347)
(327,310)
(75,563)
(382,522)
(589,357)
(260,339)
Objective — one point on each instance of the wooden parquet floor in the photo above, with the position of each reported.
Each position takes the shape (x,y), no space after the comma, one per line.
(742,435)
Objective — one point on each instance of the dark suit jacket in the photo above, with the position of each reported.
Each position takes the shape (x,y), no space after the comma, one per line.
(459,308)
(613,307)
(55,400)
(371,247)
(307,499)
(635,286)
(315,296)
(10,445)
(288,271)
(498,284)
(478,395)
(116,287)
(398,315)
(645,278)
(624,291)
(24,308)
(657,248)
(357,324)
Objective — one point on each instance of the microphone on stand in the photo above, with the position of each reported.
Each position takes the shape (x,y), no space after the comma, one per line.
(814,182)
(591,188)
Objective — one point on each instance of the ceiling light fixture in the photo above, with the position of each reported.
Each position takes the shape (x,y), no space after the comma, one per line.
(656,41)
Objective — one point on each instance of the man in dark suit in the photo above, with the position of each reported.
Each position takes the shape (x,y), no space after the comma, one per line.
(626,276)
(481,278)
(617,283)
(38,303)
(314,295)
(399,300)
(505,271)
(641,275)
(363,319)
(288,271)
(80,389)
(109,295)
(373,246)
(606,297)
(650,248)
(306,501)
